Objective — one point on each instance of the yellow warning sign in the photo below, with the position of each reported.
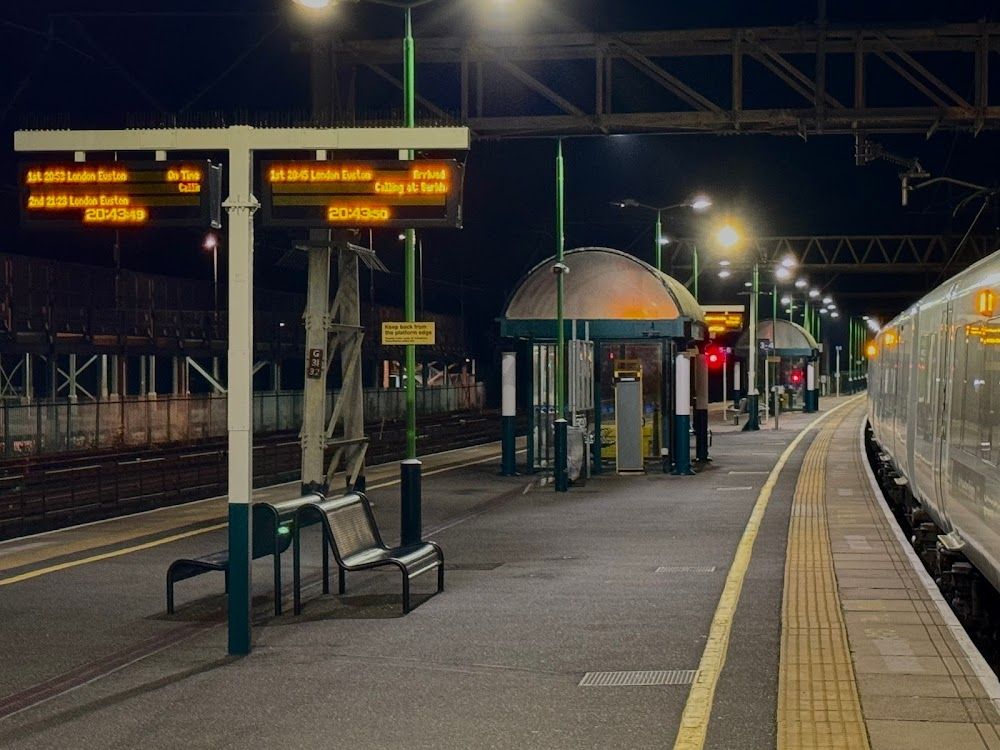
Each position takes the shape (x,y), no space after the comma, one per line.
(401,334)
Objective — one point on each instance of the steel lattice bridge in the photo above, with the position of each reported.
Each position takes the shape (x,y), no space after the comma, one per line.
(795,80)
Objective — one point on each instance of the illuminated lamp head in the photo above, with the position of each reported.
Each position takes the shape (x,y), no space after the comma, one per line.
(890,338)
(871,350)
(986,302)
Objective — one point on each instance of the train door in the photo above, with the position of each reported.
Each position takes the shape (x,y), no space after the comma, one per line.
(944,373)
(912,363)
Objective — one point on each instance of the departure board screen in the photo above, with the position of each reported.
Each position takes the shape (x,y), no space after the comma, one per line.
(400,194)
(118,194)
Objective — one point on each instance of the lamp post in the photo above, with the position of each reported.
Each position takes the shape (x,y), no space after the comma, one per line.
(410,467)
(561,425)
(211,242)
(728,237)
(697,203)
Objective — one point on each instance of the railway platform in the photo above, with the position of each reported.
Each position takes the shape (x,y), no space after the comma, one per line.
(768,601)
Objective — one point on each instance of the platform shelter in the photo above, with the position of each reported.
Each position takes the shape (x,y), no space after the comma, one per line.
(790,358)
(631,331)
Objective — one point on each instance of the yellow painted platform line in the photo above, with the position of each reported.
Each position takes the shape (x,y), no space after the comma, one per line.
(698,709)
(107,555)
(187,534)
(818,702)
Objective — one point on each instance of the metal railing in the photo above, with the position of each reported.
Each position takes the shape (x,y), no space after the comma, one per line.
(55,426)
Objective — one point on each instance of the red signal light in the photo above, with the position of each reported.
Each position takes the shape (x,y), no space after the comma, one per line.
(713,357)
(796,377)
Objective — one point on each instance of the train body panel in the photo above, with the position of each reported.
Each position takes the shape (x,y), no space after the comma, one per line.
(934,407)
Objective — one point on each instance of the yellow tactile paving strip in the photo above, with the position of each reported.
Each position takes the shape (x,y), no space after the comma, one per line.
(818,701)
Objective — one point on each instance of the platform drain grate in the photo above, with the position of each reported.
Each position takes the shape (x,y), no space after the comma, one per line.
(687,569)
(639,679)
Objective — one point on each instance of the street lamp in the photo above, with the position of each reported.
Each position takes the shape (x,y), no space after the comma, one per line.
(729,237)
(211,242)
(697,203)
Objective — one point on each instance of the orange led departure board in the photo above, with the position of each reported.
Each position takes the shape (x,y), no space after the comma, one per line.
(119,194)
(724,322)
(401,194)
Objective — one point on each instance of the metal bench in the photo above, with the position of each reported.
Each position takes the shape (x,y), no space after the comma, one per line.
(349,530)
(271,535)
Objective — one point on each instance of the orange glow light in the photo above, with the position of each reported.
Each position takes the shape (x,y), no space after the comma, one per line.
(986,302)
(372,214)
(871,350)
(890,338)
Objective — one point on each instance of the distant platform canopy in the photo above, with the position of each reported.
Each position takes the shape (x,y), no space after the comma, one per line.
(789,339)
(620,296)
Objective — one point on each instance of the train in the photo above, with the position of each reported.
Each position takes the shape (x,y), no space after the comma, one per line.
(934,419)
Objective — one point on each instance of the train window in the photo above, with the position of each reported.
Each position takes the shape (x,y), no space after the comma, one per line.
(973,387)
(990,436)
(925,387)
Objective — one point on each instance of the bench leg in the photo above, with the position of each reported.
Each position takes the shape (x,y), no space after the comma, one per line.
(406,592)
(326,564)
(170,594)
(341,580)
(441,576)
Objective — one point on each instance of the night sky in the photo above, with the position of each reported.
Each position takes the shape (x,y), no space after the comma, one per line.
(96,69)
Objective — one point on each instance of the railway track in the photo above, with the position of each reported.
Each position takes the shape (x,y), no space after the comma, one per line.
(43,493)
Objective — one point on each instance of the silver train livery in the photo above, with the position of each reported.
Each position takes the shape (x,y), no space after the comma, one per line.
(934,410)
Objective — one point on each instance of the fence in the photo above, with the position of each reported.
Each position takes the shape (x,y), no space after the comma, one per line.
(55,426)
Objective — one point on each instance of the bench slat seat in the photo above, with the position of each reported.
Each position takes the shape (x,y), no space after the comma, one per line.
(350,532)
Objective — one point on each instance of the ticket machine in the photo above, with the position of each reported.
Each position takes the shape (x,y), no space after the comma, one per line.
(629,453)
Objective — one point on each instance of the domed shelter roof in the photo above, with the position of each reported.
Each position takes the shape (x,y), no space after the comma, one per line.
(618,294)
(789,339)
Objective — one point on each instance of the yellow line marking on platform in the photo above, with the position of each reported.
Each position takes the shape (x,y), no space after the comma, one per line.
(818,702)
(698,708)
(107,555)
(187,534)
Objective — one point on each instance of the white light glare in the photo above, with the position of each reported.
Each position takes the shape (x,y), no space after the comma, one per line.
(823,311)
(801,284)
(782,273)
(827,300)
(786,300)
(835,314)
(724,263)
(724,273)
(814,293)
(748,284)
(701,202)
(315,4)
(788,261)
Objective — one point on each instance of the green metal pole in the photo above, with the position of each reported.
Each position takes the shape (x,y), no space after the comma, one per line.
(753,396)
(658,250)
(410,502)
(694,263)
(561,472)
(850,352)
(774,308)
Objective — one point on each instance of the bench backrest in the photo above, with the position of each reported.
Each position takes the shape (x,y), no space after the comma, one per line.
(350,522)
(353,531)
(273,524)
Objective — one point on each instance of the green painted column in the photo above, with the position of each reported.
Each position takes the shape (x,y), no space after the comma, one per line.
(410,494)
(561,425)
(508,410)
(682,415)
